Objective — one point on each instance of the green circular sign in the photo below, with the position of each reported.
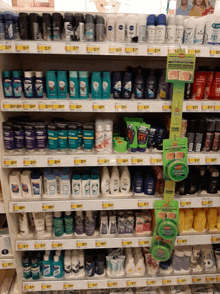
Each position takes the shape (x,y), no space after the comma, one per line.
(161,251)
(177,170)
(167,229)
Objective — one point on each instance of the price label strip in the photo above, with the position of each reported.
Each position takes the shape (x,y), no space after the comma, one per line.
(71,49)
(46,287)
(67,286)
(185,204)
(142,107)
(93,49)
(115,49)
(47,207)
(57,245)
(92,285)
(100,244)
(10,106)
(44,48)
(150,283)
(214,52)
(81,244)
(131,50)
(211,160)
(107,205)
(120,107)
(103,161)
(143,204)
(78,161)
(10,162)
(75,107)
(126,243)
(166,282)
(28,106)
(18,208)
(193,160)
(156,160)
(207,202)
(206,107)
(143,242)
(196,280)
(215,239)
(44,106)
(98,107)
(53,162)
(28,287)
(137,161)
(24,48)
(194,51)
(5,47)
(30,162)
(153,50)
(181,281)
(182,241)
(40,246)
(193,108)
(112,284)
(22,246)
(60,107)
(7,264)
(131,283)
(76,206)
(122,160)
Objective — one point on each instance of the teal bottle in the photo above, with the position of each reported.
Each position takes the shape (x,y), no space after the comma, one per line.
(51,82)
(62,84)
(35,269)
(73,85)
(84,84)
(106,85)
(46,267)
(96,85)
(16,84)
(57,267)
(58,224)
(26,266)
(68,223)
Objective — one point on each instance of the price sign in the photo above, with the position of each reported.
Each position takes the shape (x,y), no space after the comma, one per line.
(137,160)
(210,279)
(156,160)
(22,47)
(76,107)
(112,284)
(30,162)
(98,107)
(120,107)
(126,243)
(10,162)
(131,50)
(44,106)
(121,160)
(46,287)
(193,160)
(92,49)
(7,264)
(172,50)
(217,107)
(5,47)
(103,161)
(9,106)
(143,243)
(54,162)
(76,206)
(131,283)
(115,49)
(72,49)
(142,107)
(166,107)
(107,205)
(150,282)
(196,280)
(39,245)
(215,239)
(207,203)
(206,107)
(181,281)
(21,246)
(185,203)
(182,241)
(57,245)
(92,285)
(166,282)
(28,106)
(100,244)
(18,208)
(67,286)
(190,107)
(217,279)
(194,51)
(81,244)
(211,160)
(214,52)
(58,106)
(153,50)
(80,161)
(47,207)
(143,204)
(44,48)
(28,287)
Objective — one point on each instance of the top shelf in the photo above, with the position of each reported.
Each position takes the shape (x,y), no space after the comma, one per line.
(95,48)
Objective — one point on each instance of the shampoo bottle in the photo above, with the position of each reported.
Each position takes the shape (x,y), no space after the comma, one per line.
(139,84)
(62,84)
(127,85)
(114,181)
(51,82)
(73,85)
(94,185)
(106,85)
(57,267)
(16,84)
(96,85)
(7,84)
(68,222)
(125,180)
(151,86)
(105,181)
(76,185)
(58,224)
(116,84)
(84,84)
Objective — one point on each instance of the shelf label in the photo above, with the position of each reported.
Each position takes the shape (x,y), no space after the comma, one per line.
(215,239)
(10,162)
(131,49)
(7,264)
(48,207)
(28,106)
(217,279)
(193,160)
(39,245)
(120,107)
(207,202)
(115,49)
(143,204)
(79,161)
(91,49)
(156,160)
(210,159)
(210,279)
(67,286)
(131,283)
(44,106)
(126,243)
(12,106)
(5,47)
(112,284)
(172,50)
(44,48)
(137,160)
(214,52)
(98,107)
(22,47)
(153,50)
(166,107)
(166,282)
(30,162)
(58,106)
(46,287)
(22,246)
(72,48)
(185,203)
(103,161)
(100,244)
(121,160)
(107,205)
(207,107)
(53,162)
(141,107)
(28,287)
(76,206)
(57,245)
(181,281)
(181,241)
(75,107)
(81,244)
(150,282)
(216,107)
(92,285)
(19,208)
(196,280)
(194,51)
(143,242)
(190,107)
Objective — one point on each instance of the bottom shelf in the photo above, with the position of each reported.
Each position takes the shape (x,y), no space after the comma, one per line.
(109,283)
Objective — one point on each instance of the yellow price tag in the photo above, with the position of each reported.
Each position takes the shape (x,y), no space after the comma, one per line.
(180,281)
(58,106)
(22,48)
(194,51)
(131,283)
(54,161)
(143,107)
(47,207)
(166,107)
(112,284)
(12,106)
(76,206)
(211,160)
(185,203)
(207,202)
(166,281)
(115,49)
(72,48)
(92,49)
(81,244)
(29,287)
(156,160)
(7,264)
(207,107)
(194,160)
(30,162)
(103,161)
(44,48)
(30,106)
(172,50)
(92,285)
(18,208)
(181,241)
(39,245)
(45,286)
(44,106)
(196,280)
(23,246)
(131,49)
(57,245)
(5,47)
(150,282)
(98,107)
(214,239)
(67,286)
(80,161)
(153,50)
(217,279)
(143,242)
(210,279)
(120,160)
(99,244)
(143,204)
(191,107)
(121,107)
(75,106)
(10,162)
(216,107)
(214,52)
(126,243)
(137,160)
(107,205)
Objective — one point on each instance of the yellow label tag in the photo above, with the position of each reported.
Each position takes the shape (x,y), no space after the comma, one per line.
(29,287)
(30,162)
(54,161)
(172,50)
(5,47)
(81,244)
(143,107)
(126,243)
(181,281)
(131,49)
(45,286)
(98,107)
(115,49)
(22,48)
(19,208)
(196,280)
(181,241)
(210,279)
(153,50)
(194,51)
(76,206)
(191,107)
(80,161)
(58,106)
(207,202)
(93,49)
(92,285)
(120,160)
(137,160)
(121,107)
(57,245)
(207,107)
(44,106)
(156,160)
(39,245)
(7,264)
(166,107)
(47,207)
(216,107)
(130,283)
(10,162)
(30,106)
(185,203)
(214,239)
(211,160)
(75,106)
(44,48)
(166,281)
(12,106)
(150,282)
(23,246)
(72,48)
(144,242)
(214,52)
(112,284)
(217,279)
(67,286)
(194,160)
(103,161)
(143,204)
(107,205)
(100,244)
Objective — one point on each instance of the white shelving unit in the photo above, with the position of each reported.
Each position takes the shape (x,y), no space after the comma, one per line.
(96,56)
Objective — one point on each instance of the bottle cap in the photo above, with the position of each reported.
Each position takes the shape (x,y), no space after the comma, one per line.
(35,176)
(151,20)
(56,258)
(33,17)
(68,17)
(38,74)
(85,177)
(161,20)
(68,212)
(79,17)
(142,19)
(94,176)
(7,74)
(217,125)
(108,127)
(76,177)
(23,17)
(51,177)
(179,252)
(100,19)
(57,17)
(16,74)
(188,251)
(83,74)
(73,74)
(57,214)
(191,126)
(89,18)
(79,213)
(28,74)
(179,20)
(8,16)
(46,18)
(46,257)
(210,124)
(171,19)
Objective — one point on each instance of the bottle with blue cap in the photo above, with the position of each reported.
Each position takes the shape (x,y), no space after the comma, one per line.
(160,28)
(2,27)
(65,189)
(151,28)
(9,30)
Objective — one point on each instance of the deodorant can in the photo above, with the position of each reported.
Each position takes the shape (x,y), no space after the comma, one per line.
(34,26)
(2,27)
(79,27)
(90,28)
(47,27)
(23,25)
(57,26)
(68,27)
(9,31)
(100,28)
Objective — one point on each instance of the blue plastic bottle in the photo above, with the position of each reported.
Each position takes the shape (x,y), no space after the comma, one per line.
(57,267)
(117,85)
(139,84)
(138,183)
(149,185)
(96,85)
(16,84)
(106,85)
(74,85)
(9,30)
(29,89)
(127,85)
(35,269)
(39,84)
(151,86)
(62,84)
(7,84)
(51,84)
(2,27)
(46,267)
(84,84)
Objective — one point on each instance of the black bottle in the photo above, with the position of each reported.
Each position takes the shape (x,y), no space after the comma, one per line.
(46,27)
(191,128)
(139,84)
(213,182)
(34,26)
(23,26)
(57,20)
(199,137)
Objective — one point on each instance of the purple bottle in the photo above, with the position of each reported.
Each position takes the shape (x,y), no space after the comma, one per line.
(30,137)
(79,223)
(8,133)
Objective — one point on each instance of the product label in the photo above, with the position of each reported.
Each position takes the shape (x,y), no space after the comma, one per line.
(83,90)
(39,88)
(28,88)
(7,88)
(17,88)
(46,270)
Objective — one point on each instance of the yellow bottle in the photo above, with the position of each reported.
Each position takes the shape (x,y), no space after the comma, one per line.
(181,220)
(212,216)
(200,221)
(188,220)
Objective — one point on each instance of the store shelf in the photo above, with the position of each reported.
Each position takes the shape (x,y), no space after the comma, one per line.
(67,243)
(7,263)
(101,203)
(111,105)
(104,48)
(109,283)
(148,158)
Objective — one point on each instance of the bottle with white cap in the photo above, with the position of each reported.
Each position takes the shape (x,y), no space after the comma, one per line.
(108,135)
(110,28)
(120,29)
(189,33)
(99,136)
(67,266)
(179,29)
(39,84)
(151,28)
(131,27)
(141,28)
(171,29)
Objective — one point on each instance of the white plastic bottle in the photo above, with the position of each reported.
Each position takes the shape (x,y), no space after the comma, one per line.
(23,224)
(141,28)
(94,185)
(99,136)
(76,185)
(160,33)
(15,185)
(26,184)
(212,29)
(125,180)
(105,181)
(110,28)
(130,266)
(65,187)
(67,266)
(151,29)
(49,221)
(108,133)
(51,185)
(189,27)
(179,29)
(131,27)
(85,185)
(171,29)
(39,223)
(199,31)
(114,182)
(120,29)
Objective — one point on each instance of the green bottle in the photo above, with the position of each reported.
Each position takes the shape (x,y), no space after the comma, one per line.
(35,269)
(58,224)
(68,221)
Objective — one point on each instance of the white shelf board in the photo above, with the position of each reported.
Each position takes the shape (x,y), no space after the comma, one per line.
(126,282)
(7,263)
(149,158)
(104,203)
(102,105)
(95,242)
(2,208)
(103,48)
